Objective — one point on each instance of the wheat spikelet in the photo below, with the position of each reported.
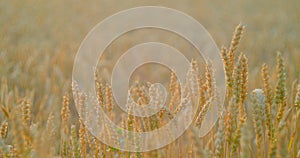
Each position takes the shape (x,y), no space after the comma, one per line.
(174,98)
(90,141)
(230,121)
(268,94)
(192,79)
(82,139)
(97,148)
(244,78)
(209,75)
(100,98)
(233,127)
(130,105)
(75,147)
(228,70)
(220,137)
(236,38)
(258,109)
(130,121)
(237,87)
(49,125)
(19,132)
(99,89)
(273,148)
(108,98)
(3,129)
(203,113)
(142,99)
(195,66)
(26,105)
(280,95)
(13,152)
(174,91)
(237,134)
(81,105)
(202,92)
(65,113)
(173,81)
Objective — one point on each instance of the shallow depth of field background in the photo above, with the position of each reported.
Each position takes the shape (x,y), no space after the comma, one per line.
(39,39)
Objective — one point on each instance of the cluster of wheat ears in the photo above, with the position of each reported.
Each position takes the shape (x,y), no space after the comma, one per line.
(262,123)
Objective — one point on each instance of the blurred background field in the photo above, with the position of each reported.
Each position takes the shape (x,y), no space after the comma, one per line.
(39,40)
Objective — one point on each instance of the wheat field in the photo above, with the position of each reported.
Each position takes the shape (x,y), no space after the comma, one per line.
(260,50)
